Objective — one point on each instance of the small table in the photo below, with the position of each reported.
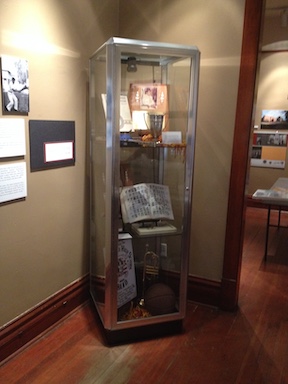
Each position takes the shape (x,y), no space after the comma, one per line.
(277,195)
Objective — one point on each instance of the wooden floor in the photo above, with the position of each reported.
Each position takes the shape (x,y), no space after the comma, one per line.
(248,346)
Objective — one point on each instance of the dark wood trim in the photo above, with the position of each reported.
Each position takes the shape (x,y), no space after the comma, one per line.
(204,291)
(239,167)
(199,290)
(34,322)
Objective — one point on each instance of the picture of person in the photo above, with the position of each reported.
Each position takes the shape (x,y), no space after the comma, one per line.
(256,152)
(271,140)
(149,98)
(11,101)
(15,85)
(271,116)
(283,140)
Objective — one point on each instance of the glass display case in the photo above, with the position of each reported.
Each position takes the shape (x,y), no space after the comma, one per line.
(143,104)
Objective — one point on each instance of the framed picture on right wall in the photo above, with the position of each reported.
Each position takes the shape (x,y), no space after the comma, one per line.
(274,119)
(269,149)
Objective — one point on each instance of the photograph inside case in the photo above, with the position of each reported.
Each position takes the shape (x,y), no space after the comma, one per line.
(145,99)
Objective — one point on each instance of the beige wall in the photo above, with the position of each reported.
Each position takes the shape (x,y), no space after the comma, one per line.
(43,240)
(272,91)
(216,28)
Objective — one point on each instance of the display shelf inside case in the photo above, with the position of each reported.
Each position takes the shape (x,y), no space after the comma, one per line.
(150,229)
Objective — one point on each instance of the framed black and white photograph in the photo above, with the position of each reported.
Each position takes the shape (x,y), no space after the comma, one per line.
(15,85)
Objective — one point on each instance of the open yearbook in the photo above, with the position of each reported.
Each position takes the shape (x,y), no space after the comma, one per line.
(147,202)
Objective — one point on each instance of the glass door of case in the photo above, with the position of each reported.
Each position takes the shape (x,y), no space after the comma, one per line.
(143,103)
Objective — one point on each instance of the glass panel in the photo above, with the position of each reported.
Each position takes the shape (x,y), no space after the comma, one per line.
(98,181)
(160,165)
(159,160)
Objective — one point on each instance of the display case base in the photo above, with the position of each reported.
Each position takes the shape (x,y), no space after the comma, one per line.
(129,335)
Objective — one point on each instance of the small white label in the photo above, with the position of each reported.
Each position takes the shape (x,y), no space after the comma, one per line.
(172,137)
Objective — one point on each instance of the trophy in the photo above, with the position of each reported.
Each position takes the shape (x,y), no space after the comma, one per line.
(155,123)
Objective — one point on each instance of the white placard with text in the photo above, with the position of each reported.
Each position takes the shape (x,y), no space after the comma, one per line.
(13,181)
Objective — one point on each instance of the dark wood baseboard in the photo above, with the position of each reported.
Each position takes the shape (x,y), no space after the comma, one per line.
(34,322)
(204,291)
(229,295)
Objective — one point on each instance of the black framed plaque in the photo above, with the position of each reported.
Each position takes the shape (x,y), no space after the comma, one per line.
(52,144)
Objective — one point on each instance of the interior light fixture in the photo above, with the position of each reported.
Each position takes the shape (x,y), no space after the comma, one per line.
(131,64)
(284,18)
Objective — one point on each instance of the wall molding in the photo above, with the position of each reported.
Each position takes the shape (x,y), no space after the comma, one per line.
(204,291)
(32,323)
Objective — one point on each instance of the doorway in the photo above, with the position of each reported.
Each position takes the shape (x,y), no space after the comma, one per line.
(252,29)
(248,87)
